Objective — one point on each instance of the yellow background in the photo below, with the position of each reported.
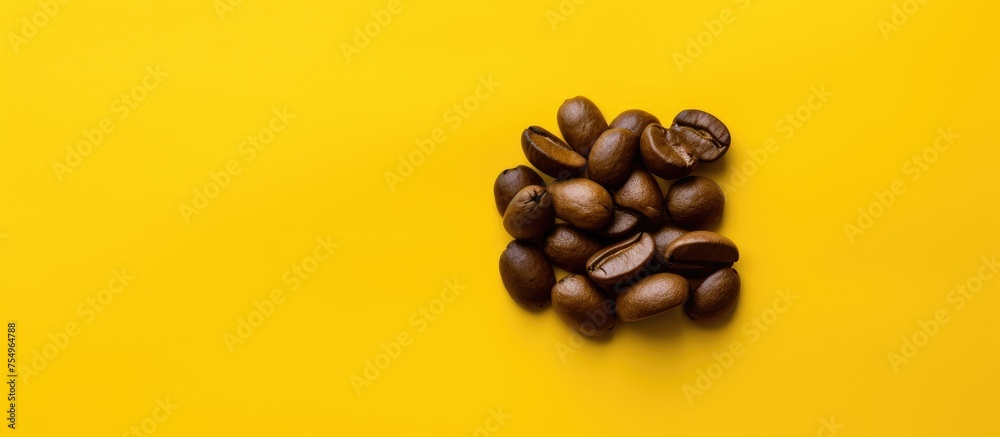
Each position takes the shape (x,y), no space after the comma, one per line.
(161,338)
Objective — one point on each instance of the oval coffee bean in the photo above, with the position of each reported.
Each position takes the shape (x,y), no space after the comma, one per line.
(582,203)
(551,155)
(641,194)
(625,222)
(652,296)
(611,157)
(664,154)
(621,261)
(581,305)
(704,133)
(634,120)
(663,237)
(512,180)
(714,297)
(580,122)
(570,248)
(700,253)
(526,274)
(529,214)
(695,202)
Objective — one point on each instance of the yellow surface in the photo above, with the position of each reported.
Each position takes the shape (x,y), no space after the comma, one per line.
(169,352)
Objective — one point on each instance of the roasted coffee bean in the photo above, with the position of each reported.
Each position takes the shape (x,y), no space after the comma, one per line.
(529,214)
(663,237)
(700,253)
(621,261)
(634,120)
(581,122)
(664,154)
(581,305)
(611,157)
(582,203)
(526,274)
(624,222)
(570,248)
(641,194)
(703,132)
(694,202)
(652,296)
(714,297)
(551,155)
(510,182)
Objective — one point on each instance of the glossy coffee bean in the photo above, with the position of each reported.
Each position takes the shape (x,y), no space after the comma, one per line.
(714,297)
(662,238)
(695,202)
(512,180)
(652,296)
(581,122)
(703,132)
(570,248)
(634,120)
(611,157)
(700,253)
(529,214)
(664,154)
(551,155)
(526,274)
(581,305)
(582,203)
(641,193)
(624,222)
(621,261)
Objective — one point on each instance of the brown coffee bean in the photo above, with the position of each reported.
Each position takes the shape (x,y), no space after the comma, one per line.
(704,133)
(529,214)
(581,122)
(700,253)
(621,261)
(624,222)
(526,274)
(611,157)
(664,154)
(551,155)
(512,180)
(695,202)
(663,237)
(582,203)
(634,120)
(714,297)
(641,193)
(581,305)
(570,248)
(652,296)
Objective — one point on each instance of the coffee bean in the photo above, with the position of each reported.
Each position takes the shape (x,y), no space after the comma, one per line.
(570,248)
(695,202)
(582,203)
(664,153)
(703,132)
(663,237)
(714,297)
(551,155)
(624,222)
(582,306)
(621,261)
(512,180)
(634,120)
(526,274)
(700,253)
(581,122)
(652,296)
(611,157)
(641,193)
(529,214)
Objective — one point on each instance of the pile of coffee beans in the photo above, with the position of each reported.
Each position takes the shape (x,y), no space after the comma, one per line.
(631,251)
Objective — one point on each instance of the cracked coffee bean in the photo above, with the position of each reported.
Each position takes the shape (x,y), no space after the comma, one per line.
(512,180)
(664,154)
(703,132)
